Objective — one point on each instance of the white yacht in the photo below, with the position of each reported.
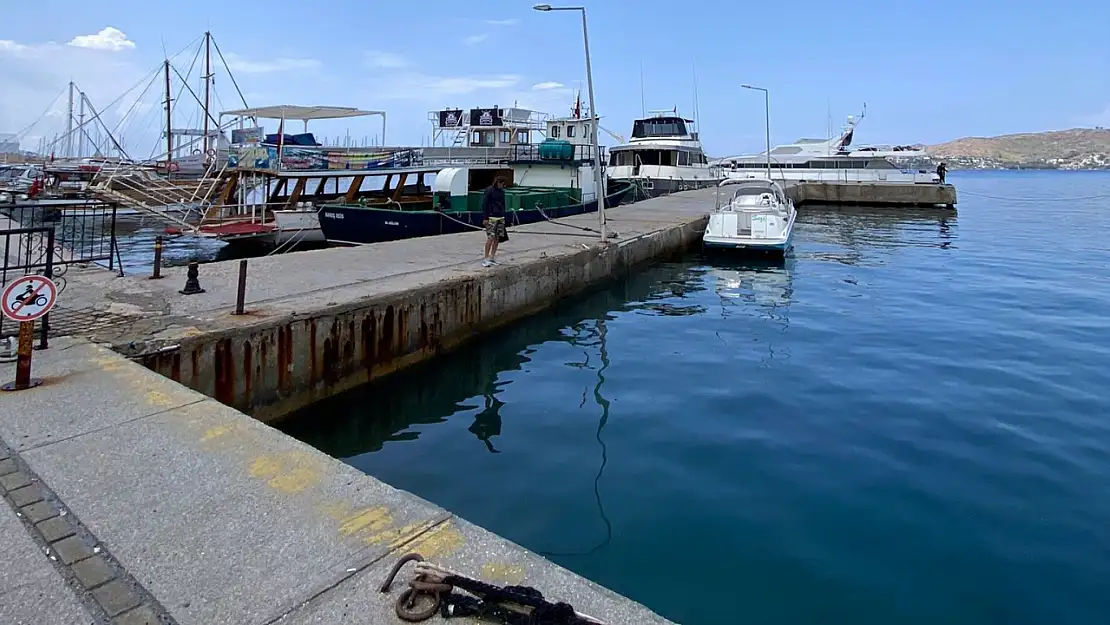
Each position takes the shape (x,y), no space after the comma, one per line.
(831,160)
(757,218)
(663,156)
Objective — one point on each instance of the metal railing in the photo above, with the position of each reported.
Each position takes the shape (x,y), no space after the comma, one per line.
(44,240)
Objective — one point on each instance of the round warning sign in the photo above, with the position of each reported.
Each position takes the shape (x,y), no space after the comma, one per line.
(28,298)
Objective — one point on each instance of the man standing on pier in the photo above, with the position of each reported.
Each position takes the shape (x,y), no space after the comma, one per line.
(493,218)
(941,170)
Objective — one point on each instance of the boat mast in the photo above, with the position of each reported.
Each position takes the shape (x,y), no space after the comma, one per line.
(81,125)
(69,124)
(169,121)
(207,84)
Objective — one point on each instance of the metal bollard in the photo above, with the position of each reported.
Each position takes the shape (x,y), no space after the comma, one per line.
(157,275)
(192,281)
(241,294)
(23,379)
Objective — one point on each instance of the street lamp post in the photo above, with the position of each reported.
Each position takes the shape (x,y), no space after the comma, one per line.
(767,121)
(599,181)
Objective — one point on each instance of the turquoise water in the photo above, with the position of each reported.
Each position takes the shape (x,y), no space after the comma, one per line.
(908,422)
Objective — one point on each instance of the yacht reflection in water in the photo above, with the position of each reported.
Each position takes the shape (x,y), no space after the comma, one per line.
(761,289)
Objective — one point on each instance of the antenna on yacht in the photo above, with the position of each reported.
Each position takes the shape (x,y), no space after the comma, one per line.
(697,116)
(643,108)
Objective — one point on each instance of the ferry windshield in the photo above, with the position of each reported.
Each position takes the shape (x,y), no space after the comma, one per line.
(659,127)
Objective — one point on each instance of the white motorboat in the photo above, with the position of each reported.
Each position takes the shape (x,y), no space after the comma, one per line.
(758,217)
(300,224)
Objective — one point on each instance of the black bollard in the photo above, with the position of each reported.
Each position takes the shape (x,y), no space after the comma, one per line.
(192,283)
(157,275)
(241,293)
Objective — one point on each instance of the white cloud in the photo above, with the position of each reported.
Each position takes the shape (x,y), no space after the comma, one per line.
(242,65)
(109,38)
(385,60)
(7,45)
(508,22)
(545,86)
(36,74)
(473,39)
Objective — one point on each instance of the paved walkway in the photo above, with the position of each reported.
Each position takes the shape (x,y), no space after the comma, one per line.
(131,499)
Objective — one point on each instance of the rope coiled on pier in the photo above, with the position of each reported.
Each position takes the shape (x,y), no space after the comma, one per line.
(512,605)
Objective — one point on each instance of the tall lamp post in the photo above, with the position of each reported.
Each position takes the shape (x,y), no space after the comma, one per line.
(767,122)
(599,181)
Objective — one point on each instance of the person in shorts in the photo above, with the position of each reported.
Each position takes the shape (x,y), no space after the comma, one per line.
(493,218)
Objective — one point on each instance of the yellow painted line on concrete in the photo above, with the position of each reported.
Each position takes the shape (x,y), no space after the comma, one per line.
(287,472)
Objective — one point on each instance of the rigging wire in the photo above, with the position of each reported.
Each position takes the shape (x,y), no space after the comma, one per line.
(1035,199)
(45,112)
(145,77)
(229,74)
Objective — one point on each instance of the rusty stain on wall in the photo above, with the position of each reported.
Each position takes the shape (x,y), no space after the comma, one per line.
(278,364)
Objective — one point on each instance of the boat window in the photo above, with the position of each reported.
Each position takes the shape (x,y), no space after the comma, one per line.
(683,158)
(622,158)
(659,127)
(482,138)
(570,132)
(555,131)
(523,137)
(506,137)
(586,131)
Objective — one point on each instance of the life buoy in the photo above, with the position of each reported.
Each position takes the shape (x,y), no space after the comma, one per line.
(172,167)
(212,152)
(195,152)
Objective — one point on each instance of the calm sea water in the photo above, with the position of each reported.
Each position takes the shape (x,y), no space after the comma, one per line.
(908,422)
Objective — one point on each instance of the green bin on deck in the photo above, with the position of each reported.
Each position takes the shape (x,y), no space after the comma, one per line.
(556,150)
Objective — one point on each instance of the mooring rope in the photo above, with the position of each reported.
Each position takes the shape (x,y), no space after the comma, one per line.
(513,605)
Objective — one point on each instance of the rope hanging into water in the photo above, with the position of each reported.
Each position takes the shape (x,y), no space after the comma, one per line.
(1035,199)
(513,605)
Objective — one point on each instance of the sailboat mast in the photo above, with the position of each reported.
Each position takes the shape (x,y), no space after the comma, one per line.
(207,84)
(69,124)
(169,121)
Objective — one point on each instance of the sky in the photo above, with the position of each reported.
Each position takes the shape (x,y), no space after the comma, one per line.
(928,71)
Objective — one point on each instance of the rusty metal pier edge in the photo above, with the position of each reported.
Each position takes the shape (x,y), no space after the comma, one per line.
(278,365)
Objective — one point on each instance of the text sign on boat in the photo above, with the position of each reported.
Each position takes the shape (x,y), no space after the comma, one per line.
(28,298)
(450,118)
(485,117)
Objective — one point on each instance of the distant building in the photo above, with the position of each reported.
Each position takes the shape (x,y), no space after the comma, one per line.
(9,143)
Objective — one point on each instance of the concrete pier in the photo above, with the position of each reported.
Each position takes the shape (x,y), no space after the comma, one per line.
(322,322)
(130,499)
(891,194)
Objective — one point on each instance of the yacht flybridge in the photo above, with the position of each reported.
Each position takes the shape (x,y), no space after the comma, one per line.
(832,160)
(663,156)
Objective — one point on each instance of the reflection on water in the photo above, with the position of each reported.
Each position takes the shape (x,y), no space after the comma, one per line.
(862,235)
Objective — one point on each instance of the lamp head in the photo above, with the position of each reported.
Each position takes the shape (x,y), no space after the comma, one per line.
(542,7)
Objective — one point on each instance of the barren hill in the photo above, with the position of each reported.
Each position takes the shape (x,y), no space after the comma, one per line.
(1078,147)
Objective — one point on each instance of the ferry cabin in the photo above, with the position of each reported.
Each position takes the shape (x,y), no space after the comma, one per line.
(526,147)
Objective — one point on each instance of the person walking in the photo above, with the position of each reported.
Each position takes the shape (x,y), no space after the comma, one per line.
(493,219)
